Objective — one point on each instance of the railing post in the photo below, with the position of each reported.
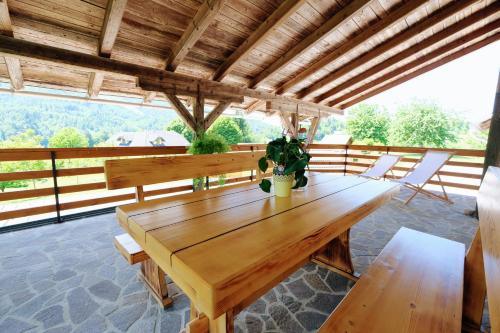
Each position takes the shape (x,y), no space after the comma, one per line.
(345,159)
(56,188)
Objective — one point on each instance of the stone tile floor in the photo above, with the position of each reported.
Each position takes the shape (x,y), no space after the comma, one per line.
(69,277)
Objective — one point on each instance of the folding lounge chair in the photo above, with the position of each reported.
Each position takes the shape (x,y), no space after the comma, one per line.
(381,166)
(428,166)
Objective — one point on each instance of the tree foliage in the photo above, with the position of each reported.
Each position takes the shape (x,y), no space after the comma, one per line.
(27,139)
(421,124)
(368,124)
(328,126)
(177,125)
(68,137)
(227,128)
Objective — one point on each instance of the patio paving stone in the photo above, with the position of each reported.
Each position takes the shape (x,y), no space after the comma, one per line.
(69,277)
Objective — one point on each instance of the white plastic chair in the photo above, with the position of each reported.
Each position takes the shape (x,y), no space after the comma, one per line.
(381,166)
(428,166)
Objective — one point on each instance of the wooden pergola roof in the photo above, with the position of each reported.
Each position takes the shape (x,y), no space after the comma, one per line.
(322,55)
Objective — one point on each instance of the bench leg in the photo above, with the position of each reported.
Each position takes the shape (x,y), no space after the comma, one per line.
(154,278)
(336,256)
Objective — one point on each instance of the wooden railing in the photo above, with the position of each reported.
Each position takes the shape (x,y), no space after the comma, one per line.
(53,198)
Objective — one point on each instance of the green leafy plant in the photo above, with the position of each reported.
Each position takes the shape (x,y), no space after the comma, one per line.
(287,157)
(208,143)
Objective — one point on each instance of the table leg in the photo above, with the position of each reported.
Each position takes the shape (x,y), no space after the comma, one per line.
(154,277)
(336,256)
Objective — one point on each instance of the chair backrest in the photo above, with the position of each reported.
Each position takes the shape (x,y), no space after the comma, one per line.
(383,164)
(428,167)
(137,172)
(482,263)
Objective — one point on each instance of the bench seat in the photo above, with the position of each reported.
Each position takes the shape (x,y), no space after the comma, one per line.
(129,249)
(414,285)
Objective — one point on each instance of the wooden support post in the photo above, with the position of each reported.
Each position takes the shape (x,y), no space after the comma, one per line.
(199,113)
(154,277)
(492,156)
(336,256)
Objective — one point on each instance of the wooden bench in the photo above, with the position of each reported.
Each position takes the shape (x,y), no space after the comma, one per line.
(138,172)
(421,283)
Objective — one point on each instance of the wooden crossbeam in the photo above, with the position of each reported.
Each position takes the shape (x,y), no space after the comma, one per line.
(13,65)
(111,26)
(305,44)
(204,16)
(352,43)
(425,69)
(215,113)
(95,84)
(182,111)
(277,18)
(15,73)
(419,61)
(158,79)
(414,49)
(416,29)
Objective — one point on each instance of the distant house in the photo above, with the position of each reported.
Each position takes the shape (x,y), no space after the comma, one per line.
(148,138)
(337,139)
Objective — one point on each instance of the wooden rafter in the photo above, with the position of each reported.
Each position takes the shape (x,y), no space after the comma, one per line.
(419,61)
(414,49)
(172,83)
(215,113)
(204,16)
(352,43)
(95,84)
(111,26)
(13,65)
(425,69)
(342,16)
(387,21)
(277,18)
(416,29)
(182,111)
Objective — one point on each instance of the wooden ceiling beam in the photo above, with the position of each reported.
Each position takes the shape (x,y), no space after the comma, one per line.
(182,111)
(414,30)
(455,55)
(215,113)
(202,19)
(414,49)
(111,26)
(158,79)
(13,65)
(276,19)
(95,84)
(305,44)
(420,61)
(352,43)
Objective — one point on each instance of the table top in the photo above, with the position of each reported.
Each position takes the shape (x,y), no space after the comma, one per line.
(226,247)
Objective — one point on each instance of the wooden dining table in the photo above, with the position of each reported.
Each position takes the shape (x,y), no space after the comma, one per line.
(228,246)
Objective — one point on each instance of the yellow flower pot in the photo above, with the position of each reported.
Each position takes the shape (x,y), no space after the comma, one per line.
(283,185)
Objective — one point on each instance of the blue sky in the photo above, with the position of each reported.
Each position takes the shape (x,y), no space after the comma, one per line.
(466,85)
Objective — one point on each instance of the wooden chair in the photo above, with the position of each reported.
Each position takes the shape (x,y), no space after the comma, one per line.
(138,172)
(381,166)
(424,283)
(418,176)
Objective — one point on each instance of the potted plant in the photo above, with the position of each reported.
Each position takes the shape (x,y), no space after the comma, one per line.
(289,161)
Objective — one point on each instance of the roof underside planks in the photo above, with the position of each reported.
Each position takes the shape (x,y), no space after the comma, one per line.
(239,42)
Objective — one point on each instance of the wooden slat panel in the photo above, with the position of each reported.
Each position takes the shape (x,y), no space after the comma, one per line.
(134,172)
(418,278)
(489,220)
(27,212)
